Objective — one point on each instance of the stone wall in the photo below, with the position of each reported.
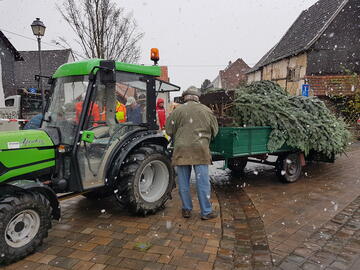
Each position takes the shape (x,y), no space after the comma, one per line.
(333,85)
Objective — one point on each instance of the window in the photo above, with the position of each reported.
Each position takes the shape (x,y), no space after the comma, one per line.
(9,102)
(293,74)
(131,93)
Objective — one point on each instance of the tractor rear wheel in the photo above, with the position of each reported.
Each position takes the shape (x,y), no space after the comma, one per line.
(25,221)
(146,179)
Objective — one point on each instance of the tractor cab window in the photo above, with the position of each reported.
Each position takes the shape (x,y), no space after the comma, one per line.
(131,98)
(66,105)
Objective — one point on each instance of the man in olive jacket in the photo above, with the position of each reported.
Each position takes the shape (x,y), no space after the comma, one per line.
(191,127)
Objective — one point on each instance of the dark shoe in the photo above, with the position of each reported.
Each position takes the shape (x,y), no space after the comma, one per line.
(186,213)
(211,215)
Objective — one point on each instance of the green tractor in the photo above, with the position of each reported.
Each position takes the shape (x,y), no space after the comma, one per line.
(83,148)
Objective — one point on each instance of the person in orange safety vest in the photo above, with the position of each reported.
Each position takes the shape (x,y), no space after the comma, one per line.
(120,112)
(97,116)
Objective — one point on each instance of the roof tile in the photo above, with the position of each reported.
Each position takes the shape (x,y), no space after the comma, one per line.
(304,32)
(26,70)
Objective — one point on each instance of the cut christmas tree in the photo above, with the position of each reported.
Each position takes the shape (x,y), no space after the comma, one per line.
(300,122)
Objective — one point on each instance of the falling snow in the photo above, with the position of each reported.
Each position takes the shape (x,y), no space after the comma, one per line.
(168,224)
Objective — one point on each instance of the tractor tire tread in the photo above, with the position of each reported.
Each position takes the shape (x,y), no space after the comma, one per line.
(127,175)
(9,206)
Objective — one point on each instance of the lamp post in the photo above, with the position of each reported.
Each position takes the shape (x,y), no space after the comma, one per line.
(38,29)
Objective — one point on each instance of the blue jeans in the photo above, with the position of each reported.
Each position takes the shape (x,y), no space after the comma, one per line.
(203,187)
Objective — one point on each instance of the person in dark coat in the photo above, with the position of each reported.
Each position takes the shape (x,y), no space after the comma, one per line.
(133,111)
(191,127)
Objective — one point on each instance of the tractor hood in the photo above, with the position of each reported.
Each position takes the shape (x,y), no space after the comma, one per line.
(24,139)
(25,154)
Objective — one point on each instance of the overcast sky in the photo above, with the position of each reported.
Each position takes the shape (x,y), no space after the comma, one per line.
(196,38)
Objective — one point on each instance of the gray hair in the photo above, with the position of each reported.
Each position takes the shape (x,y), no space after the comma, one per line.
(191,98)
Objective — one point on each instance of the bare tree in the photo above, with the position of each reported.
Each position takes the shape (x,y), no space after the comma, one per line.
(103,29)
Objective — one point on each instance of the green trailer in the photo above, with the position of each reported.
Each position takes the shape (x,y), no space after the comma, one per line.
(239,145)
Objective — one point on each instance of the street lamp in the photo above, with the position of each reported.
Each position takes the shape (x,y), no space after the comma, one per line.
(38,29)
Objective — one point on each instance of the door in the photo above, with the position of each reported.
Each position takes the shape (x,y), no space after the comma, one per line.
(114,111)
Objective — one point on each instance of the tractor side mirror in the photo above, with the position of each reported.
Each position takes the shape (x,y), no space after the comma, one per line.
(88,136)
(107,72)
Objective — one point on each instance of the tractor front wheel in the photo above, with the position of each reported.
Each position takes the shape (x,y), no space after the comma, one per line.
(25,221)
(146,180)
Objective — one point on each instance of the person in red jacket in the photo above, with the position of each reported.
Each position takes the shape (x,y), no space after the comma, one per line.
(161,113)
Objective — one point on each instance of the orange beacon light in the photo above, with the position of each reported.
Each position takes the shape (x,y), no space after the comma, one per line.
(155,55)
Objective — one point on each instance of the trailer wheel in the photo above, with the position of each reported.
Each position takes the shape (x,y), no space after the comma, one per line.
(147,179)
(25,221)
(288,167)
(237,165)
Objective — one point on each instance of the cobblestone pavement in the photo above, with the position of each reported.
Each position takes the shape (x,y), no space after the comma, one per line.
(298,219)
(97,235)
(264,224)
(292,212)
(336,245)
(244,244)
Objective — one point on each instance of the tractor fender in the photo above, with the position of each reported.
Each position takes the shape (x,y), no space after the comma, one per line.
(12,187)
(124,148)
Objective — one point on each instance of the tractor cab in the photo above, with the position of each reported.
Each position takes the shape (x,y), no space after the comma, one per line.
(94,107)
